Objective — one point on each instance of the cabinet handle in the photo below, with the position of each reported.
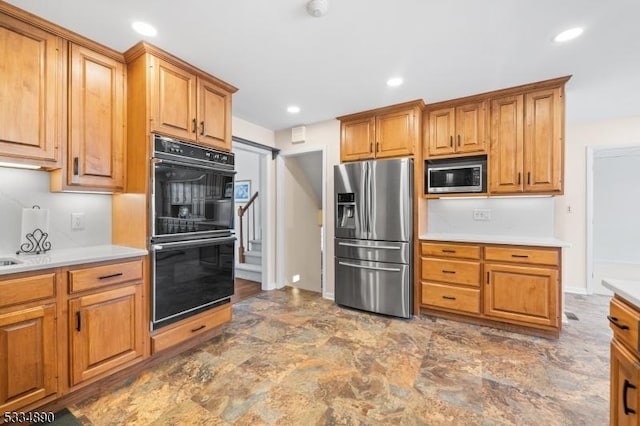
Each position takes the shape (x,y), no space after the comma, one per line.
(614,321)
(202,128)
(528,178)
(444,271)
(627,386)
(520,255)
(76,166)
(451,141)
(458,140)
(106,277)
(78,321)
(193,330)
(194,125)
(488,277)
(449,297)
(519,178)
(377,146)
(448,251)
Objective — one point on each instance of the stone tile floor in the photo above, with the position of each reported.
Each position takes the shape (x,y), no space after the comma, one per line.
(289,357)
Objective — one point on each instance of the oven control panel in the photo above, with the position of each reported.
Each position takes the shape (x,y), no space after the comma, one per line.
(180,149)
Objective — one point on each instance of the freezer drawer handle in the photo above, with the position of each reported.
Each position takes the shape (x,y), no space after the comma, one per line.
(375,268)
(369,247)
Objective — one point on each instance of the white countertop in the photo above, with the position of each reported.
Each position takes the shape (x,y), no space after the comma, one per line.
(628,290)
(65,257)
(496,239)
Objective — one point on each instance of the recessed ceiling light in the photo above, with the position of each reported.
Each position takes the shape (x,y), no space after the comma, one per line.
(568,35)
(292,109)
(394,82)
(144,29)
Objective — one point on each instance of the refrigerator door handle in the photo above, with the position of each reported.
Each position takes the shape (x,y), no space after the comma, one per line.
(369,247)
(375,268)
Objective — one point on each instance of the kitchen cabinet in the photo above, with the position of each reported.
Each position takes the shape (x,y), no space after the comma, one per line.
(28,343)
(95,150)
(188,106)
(527,142)
(97,343)
(382,133)
(455,130)
(33,93)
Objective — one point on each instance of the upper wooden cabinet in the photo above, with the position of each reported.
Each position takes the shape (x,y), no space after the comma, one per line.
(527,141)
(189,106)
(32,87)
(455,129)
(382,133)
(95,149)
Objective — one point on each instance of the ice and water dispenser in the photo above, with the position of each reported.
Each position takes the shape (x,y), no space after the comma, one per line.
(346,215)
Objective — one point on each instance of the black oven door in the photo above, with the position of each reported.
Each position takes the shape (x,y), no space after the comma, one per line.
(190,201)
(189,277)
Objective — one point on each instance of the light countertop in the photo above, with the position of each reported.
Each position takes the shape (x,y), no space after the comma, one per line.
(65,257)
(627,289)
(496,239)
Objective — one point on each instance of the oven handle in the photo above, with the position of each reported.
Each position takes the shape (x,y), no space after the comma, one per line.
(197,165)
(192,243)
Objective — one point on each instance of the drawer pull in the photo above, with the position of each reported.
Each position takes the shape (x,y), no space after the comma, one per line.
(614,321)
(449,297)
(448,251)
(444,271)
(193,330)
(520,255)
(488,277)
(627,386)
(106,277)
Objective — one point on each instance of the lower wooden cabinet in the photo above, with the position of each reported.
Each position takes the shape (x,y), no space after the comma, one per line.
(104,331)
(28,361)
(625,395)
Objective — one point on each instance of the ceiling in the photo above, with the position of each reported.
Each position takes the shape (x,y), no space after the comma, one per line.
(278,55)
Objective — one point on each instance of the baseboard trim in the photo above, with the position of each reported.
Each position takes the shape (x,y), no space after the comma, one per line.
(576,290)
(329,296)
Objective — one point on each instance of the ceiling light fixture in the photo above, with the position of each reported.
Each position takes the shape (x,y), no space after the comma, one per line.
(144,29)
(568,35)
(317,8)
(394,82)
(292,109)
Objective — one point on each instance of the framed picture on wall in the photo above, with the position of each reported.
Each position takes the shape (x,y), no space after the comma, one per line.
(242,191)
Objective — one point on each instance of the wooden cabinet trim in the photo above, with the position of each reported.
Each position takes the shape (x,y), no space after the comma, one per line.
(418,103)
(104,275)
(28,289)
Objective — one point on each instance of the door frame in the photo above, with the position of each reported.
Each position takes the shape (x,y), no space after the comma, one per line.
(280,198)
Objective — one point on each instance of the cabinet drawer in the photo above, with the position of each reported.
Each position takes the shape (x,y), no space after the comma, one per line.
(449,297)
(190,328)
(450,250)
(522,255)
(98,276)
(27,289)
(624,320)
(451,271)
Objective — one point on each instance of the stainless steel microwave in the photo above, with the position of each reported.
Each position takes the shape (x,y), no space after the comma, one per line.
(456,175)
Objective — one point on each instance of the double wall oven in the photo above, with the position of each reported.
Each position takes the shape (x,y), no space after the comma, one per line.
(192,241)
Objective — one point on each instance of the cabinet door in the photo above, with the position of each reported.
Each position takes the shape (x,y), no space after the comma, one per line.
(105,331)
(28,368)
(173,101)
(470,128)
(522,294)
(32,94)
(625,395)
(543,145)
(96,129)
(396,133)
(507,137)
(214,116)
(442,127)
(357,139)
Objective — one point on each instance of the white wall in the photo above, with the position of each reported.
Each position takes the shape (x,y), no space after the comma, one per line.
(302,251)
(324,135)
(521,216)
(24,188)
(252,132)
(570,220)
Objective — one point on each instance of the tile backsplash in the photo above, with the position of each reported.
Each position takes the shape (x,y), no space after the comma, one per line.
(25,188)
(516,216)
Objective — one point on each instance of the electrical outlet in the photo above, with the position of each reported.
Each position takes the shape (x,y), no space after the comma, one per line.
(77,221)
(295,278)
(481,214)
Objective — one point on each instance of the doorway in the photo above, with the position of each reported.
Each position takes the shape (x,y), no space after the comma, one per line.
(613,230)
(301,220)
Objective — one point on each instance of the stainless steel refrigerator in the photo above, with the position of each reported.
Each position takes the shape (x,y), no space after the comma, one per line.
(373,236)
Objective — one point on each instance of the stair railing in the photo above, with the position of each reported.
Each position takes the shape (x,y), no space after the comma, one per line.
(241,211)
